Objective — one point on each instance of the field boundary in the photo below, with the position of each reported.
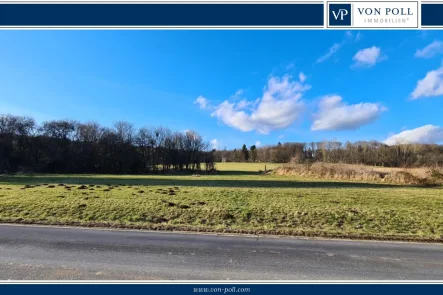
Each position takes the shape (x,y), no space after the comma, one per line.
(227,232)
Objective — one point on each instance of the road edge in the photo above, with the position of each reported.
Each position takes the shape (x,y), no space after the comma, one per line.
(222,234)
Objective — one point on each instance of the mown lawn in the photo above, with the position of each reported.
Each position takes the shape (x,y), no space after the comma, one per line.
(228,202)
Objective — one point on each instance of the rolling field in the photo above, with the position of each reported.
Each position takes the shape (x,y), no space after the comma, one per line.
(238,200)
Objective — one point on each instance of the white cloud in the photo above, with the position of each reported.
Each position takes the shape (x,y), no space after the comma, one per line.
(238,93)
(423,134)
(334,114)
(278,108)
(216,144)
(302,77)
(349,36)
(281,136)
(202,102)
(242,104)
(368,57)
(331,51)
(431,50)
(258,143)
(430,85)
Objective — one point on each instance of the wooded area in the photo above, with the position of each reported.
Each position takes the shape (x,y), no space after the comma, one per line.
(362,152)
(66,146)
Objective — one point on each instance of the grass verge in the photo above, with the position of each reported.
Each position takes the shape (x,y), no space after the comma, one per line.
(251,204)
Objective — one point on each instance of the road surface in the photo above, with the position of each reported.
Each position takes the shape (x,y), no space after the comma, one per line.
(53,253)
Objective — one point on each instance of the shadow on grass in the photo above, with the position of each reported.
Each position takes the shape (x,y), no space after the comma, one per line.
(170,180)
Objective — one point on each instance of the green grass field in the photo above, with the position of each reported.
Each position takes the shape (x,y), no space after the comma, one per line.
(246,167)
(231,201)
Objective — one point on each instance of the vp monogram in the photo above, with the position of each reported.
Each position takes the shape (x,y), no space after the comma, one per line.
(341,13)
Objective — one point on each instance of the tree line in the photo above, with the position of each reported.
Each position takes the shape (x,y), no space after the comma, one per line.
(362,152)
(67,146)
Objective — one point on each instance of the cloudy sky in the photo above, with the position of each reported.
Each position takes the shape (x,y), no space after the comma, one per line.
(233,87)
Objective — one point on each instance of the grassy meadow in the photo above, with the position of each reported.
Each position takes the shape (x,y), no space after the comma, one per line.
(237,200)
(246,167)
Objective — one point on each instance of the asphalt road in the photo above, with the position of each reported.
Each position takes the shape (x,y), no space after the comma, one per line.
(52,253)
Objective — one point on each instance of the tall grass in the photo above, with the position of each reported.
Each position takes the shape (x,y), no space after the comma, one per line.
(420,176)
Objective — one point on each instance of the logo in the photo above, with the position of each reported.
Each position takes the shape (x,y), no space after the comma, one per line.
(340,14)
(388,11)
(375,14)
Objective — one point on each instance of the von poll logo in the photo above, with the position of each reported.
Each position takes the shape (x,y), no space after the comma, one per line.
(340,14)
(373,14)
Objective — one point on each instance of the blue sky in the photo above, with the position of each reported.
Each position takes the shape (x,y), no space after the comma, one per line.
(253,86)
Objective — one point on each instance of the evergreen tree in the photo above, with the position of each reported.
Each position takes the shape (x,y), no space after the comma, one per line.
(245,153)
(253,153)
